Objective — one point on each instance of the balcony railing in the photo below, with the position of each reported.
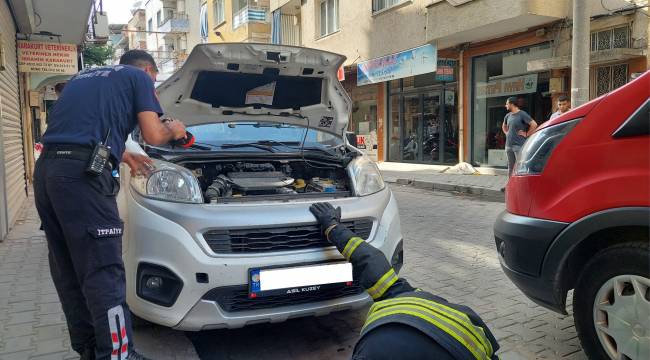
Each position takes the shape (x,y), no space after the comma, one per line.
(250,14)
(176,23)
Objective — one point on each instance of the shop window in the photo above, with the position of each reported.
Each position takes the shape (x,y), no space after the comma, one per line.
(495,78)
(617,38)
(329,17)
(379,5)
(608,78)
(219,11)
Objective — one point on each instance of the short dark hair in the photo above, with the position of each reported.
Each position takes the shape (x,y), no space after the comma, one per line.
(58,88)
(137,58)
(513,100)
(562,98)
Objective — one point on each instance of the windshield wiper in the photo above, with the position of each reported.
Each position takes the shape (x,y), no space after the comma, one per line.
(253,145)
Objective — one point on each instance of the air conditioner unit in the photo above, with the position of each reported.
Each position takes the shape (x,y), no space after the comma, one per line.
(101,25)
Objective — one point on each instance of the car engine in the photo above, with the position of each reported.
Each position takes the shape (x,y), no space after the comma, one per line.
(237,181)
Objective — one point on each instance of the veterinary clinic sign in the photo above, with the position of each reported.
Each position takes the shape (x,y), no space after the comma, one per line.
(45,57)
(524,84)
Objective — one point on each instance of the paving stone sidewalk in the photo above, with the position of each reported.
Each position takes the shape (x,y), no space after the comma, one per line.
(32,325)
(431,177)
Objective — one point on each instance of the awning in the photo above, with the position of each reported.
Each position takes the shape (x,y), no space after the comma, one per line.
(596,58)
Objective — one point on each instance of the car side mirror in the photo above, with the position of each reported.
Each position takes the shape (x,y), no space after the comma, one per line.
(352,138)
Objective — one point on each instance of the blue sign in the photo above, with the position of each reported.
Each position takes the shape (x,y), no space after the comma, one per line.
(421,60)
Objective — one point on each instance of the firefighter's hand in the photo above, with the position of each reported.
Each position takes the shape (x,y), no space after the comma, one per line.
(138,163)
(326,214)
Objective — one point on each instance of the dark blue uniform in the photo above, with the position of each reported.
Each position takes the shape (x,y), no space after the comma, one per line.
(79,211)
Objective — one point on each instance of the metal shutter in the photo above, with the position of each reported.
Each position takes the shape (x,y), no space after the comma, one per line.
(11,146)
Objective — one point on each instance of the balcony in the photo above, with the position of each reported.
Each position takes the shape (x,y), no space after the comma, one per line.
(177,23)
(250,14)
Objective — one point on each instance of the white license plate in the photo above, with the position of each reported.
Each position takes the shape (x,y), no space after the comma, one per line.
(300,279)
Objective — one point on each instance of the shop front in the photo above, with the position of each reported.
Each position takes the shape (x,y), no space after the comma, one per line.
(366,101)
(496,77)
(421,109)
(423,120)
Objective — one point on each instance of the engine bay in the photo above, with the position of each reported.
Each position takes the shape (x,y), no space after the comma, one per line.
(238,181)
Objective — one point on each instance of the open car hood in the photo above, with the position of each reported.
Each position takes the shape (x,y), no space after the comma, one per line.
(258,82)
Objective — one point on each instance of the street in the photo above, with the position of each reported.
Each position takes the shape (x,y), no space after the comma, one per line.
(449,250)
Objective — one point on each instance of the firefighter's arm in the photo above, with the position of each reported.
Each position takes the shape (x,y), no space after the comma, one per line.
(370,266)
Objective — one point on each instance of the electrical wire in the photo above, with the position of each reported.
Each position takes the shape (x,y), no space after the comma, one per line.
(302,149)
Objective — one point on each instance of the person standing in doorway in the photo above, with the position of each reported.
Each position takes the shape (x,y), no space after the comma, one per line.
(563,105)
(517,125)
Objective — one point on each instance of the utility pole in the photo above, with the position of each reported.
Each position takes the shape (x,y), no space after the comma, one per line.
(580,54)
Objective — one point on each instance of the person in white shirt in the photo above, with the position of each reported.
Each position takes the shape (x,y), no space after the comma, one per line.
(563,105)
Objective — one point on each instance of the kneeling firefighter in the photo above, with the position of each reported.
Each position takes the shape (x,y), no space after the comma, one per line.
(404,322)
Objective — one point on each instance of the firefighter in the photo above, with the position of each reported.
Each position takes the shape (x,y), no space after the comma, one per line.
(75,187)
(404,322)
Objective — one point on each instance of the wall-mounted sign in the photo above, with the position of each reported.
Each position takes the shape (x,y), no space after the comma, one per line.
(524,84)
(44,57)
(445,71)
(420,60)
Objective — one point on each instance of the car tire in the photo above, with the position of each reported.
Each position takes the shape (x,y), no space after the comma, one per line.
(622,266)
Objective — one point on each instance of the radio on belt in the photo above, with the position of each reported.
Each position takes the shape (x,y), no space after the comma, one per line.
(99,158)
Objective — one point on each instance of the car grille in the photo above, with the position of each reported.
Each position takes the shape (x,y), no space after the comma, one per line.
(281,238)
(235,298)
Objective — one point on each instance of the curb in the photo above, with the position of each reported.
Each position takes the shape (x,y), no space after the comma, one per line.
(483,193)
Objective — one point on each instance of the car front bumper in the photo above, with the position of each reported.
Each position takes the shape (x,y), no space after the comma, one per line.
(169,235)
(522,243)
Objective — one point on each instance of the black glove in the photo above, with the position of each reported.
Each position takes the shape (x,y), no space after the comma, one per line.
(326,214)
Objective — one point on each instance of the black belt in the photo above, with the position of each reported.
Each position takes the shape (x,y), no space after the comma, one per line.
(74,152)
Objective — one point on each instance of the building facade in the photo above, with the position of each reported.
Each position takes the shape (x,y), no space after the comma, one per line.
(471,55)
(21,103)
(238,21)
(172,29)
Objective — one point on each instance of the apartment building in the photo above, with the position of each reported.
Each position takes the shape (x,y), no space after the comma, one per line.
(172,29)
(238,21)
(428,78)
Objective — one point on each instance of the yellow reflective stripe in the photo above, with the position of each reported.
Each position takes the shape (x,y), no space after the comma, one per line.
(430,317)
(383,284)
(352,244)
(458,316)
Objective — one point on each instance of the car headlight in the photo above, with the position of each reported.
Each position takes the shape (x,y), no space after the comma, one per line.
(168,182)
(365,176)
(539,147)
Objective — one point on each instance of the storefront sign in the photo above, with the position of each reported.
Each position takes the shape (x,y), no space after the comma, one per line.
(445,71)
(524,84)
(44,57)
(420,60)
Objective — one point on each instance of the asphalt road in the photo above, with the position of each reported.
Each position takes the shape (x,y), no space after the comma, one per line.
(449,250)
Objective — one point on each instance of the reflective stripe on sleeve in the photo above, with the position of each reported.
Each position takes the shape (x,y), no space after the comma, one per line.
(383,284)
(352,245)
(450,313)
(449,327)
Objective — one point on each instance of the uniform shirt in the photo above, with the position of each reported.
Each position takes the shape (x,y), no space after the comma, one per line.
(516,122)
(100,99)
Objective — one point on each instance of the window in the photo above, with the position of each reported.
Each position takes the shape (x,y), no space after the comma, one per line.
(329,16)
(608,78)
(158,18)
(150,25)
(616,38)
(379,5)
(219,11)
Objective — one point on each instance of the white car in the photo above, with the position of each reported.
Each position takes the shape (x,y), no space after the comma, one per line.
(220,234)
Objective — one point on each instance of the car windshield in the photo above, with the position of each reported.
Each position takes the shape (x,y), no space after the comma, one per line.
(275,134)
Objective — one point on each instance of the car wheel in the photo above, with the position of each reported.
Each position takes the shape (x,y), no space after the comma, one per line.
(611,303)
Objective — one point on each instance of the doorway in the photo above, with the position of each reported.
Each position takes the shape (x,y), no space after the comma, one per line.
(424,126)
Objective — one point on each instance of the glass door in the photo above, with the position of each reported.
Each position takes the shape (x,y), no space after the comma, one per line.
(432,127)
(412,129)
